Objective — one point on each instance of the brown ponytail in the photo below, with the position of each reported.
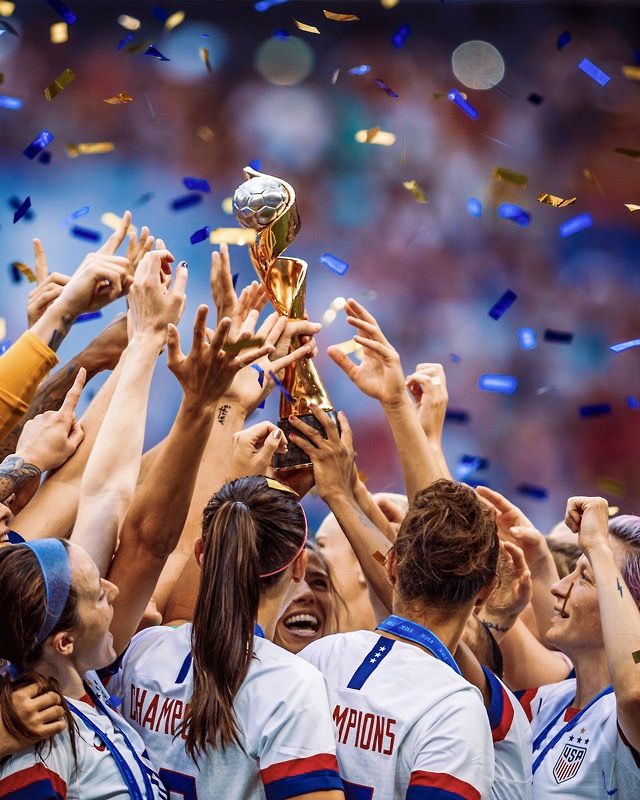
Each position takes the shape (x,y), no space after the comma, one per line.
(250,529)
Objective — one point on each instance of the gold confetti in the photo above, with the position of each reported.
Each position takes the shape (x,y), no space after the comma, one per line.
(233,236)
(3,329)
(340,17)
(633,73)
(636,656)
(227,205)
(60,84)
(632,207)
(302,26)
(442,95)
(389,3)
(204,55)
(132,49)
(415,189)
(592,179)
(113,221)
(6,10)
(610,486)
(174,20)
(25,270)
(627,151)
(334,77)
(504,174)
(121,97)
(613,510)
(205,133)
(330,314)
(59,32)
(380,558)
(375,136)
(556,202)
(348,347)
(88,148)
(129,23)
(243,344)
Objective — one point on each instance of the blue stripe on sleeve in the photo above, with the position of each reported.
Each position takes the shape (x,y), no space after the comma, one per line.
(323,780)
(431,793)
(39,790)
(496,706)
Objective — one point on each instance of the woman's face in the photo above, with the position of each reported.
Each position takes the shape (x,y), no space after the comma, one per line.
(93,643)
(310,613)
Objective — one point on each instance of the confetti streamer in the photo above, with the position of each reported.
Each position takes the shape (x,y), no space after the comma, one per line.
(456,96)
(536,492)
(415,189)
(6,10)
(561,337)
(385,88)
(400,36)
(88,148)
(186,201)
(80,212)
(363,69)
(242,344)
(44,158)
(177,18)
(260,372)
(595,410)
(265,5)
(143,199)
(527,339)
(509,175)
(155,53)
(474,207)
(503,384)
(200,235)
(197,184)
(59,84)
(632,206)
(627,151)
(556,202)
(633,402)
(20,212)
(467,465)
(575,224)
(124,42)
(42,140)
(596,74)
(119,99)
(11,103)
(86,233)
(536,99)
(239,236)
(280,33)
(23,269)
(633,73)
(375,136)
(503,304)
(592,179)
(16,277)
(281,387)
(564,39)
(618,348)
(256,164)
(611,486)
(514,213)
(460,417)
(87,316)
(63,9)
(454,358)
(340,17)
(204,55)
(6,26)
(302,26)
(334,263)
(128,23)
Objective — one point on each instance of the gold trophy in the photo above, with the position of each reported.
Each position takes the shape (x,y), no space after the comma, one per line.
(268,205)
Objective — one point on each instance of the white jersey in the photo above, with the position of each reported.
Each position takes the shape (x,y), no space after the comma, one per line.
(282,711)
(590,759)
(511,734)
(408,726)
(53,775)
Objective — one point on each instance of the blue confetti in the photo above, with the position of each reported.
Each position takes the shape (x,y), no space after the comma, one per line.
(575,224)
(564,39)
(265,5)
(16,275)
(536,492)
(474,207)
(12,103)
(400,36)
(633,402)
(86,233)
(256,164)
(186,201)
(4,346)
(143,199)
(44,157)
(527,339)
(363,69)
(454,358)
(155,53)
(504,384)
(63,9)
(124,42)
(281,387)
(80,212)
(42,140)
(636,56)
(5,26)
(280,33)
(455,96)
(596,74)
(562,337)
(334,263)
(234,279)
(20,212)
(467,465)
(260,376)
(461,417)
(200,235)
(161,14)
(536,99)
(385,87)
(15,203)
(88,315)
(503,304)
(197,184)
(618,348)
(514,213)
(595,410)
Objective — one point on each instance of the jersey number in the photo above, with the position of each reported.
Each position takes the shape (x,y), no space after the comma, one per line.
(178,783)
(355,791)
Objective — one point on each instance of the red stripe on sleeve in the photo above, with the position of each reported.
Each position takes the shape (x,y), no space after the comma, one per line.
(525,702)
(30,775)
(499,733)
(440,780)
(298,766)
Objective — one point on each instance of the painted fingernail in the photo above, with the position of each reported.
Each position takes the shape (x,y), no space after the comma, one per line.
(276,434)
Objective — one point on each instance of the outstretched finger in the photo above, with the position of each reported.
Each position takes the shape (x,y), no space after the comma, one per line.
(496,499)
(220,334)
(343,361)
(368,328)
(175,356)
(354,308)
(300,352)
(70,401)
(199,328)
(42,271)
(518,560)
(117,237)
(346,434)
(180,283)
(329,426)
(254,355)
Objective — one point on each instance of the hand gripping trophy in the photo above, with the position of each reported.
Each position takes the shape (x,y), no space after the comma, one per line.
(268,205)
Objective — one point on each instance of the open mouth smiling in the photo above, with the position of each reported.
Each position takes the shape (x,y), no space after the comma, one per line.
(307,624)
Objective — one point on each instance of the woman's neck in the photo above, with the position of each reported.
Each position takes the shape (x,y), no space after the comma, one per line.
(448,628)
(65,673)
(269,612)
(592,676)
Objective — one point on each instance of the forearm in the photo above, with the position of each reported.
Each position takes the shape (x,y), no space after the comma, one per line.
(54,324)
(14,474)
(419,465)
(111,474)
(373,511)
(543,576)
(527,662)
(435,444)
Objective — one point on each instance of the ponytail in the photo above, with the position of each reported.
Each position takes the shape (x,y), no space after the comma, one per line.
(251,533)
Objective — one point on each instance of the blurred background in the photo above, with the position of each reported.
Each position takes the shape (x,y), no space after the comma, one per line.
(293,101)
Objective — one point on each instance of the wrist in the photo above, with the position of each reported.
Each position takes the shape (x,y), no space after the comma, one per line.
(196,411)
(26,458)
(398,402)
(598,551)
(64,309)
(500,622)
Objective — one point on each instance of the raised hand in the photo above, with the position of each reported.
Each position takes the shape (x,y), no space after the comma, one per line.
(222,292)
(380,373)
(48,287)
(589,518)
(507,514)
(154,303)
(513,591)
(138,248)
(254,448)
(428,388)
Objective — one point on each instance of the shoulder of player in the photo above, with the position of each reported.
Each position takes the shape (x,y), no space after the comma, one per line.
(541,701)
(161,637)
(270,656)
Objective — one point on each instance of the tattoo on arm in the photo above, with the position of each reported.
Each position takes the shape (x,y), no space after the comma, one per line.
(494,626)
(619,586)
(14,473)
(222,413)
(57,337)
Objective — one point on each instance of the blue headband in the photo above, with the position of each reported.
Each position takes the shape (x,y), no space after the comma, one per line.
(53,559)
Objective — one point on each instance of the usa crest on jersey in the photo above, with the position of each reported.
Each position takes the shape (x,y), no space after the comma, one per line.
(568,764)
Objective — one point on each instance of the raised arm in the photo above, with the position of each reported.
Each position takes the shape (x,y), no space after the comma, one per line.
(111,474)
(619,613)
(380,376)
(428,388)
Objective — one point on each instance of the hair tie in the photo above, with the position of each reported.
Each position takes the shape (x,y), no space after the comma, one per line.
(53,560)
(242,505)
(299,550)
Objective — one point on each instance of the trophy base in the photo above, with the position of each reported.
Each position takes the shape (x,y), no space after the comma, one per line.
(295,457)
